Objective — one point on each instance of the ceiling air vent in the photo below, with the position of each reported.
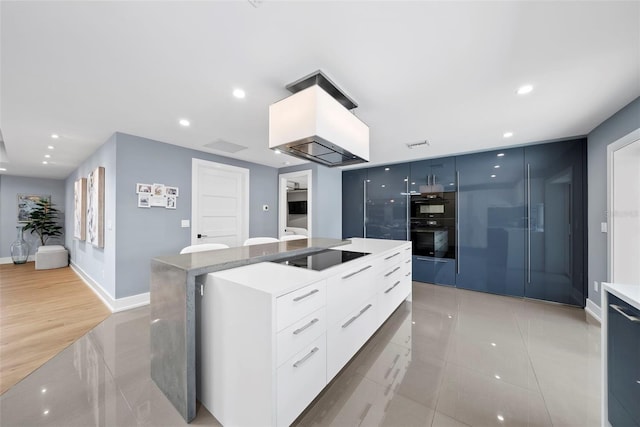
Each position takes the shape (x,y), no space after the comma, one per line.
(227,147)
(412,145)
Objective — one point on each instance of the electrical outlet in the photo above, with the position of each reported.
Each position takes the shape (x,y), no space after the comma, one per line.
(184,223)
(595,285)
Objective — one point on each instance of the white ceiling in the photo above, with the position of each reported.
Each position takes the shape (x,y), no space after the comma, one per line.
(442,71)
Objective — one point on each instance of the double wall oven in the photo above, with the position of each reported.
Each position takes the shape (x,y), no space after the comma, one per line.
(433,224)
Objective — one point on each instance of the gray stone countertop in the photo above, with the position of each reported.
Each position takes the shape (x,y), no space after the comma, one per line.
(197,263)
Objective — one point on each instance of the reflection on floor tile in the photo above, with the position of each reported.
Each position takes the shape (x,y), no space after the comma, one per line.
(451,358)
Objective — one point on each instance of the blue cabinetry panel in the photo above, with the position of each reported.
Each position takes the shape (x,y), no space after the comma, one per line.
(353,182)
(441,271)
(623,357)
(426,174)
(556,212)
(491,222)
(386,195)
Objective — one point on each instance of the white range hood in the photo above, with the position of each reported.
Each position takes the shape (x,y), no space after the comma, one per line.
(314,125)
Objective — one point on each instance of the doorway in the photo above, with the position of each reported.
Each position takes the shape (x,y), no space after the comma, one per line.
(295,203)
(624,209)
(219,203)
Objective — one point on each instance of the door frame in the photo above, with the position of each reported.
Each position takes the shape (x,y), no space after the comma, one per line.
(626,140)
(282,199)
(195,164)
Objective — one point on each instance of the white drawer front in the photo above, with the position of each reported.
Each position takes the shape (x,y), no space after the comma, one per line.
(345,337)
(390,298)
(300,334)
(346,291)
(300,379)
(297,304)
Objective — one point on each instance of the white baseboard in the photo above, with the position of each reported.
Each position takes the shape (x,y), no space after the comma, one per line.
(117,304)
(593,310)
(8,260)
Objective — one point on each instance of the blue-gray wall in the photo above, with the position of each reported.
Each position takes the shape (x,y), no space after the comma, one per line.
(146,233)
(97,263)
(10,187)
(620,124)
(326,198)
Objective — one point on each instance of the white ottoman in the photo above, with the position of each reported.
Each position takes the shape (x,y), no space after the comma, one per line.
(54,256)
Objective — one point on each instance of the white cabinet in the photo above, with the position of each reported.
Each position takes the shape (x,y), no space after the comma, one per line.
(272,336)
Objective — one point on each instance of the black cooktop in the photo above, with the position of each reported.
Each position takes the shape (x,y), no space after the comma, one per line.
(323,259)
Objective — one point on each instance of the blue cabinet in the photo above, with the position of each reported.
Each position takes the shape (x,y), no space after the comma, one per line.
(441,271)
(386,210)
(433,175)
(491,222)
(623,363)
(556,218)
(353,182)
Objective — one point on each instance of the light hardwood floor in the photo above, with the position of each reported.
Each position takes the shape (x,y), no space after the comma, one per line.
(41,313)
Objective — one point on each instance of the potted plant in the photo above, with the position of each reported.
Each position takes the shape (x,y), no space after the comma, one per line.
(43,220)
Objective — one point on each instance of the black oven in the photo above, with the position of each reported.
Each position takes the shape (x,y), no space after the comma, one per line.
(433,224)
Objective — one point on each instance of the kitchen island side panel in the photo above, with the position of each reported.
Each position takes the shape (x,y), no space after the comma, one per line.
(173,335)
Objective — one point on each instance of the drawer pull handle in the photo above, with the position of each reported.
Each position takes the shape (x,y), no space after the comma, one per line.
(621,311)
(407,261)
(304,359)
(301,297)
(408,274)
(391,288)
(407,249)
(308,325)
(392,271)
(354,318)
(356,272)
(391,256)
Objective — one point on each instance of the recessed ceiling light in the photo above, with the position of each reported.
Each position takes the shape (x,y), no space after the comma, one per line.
(46,412)
(497,376)
(54,136)
(496,167)
(239,93)
(383,186)
(500,154)
(507,134)
(3,169)
(44,162)
(184,122)
(500,418)
(47,156)
(523,90)
(493,176)
(44,390)
(493,344)
(50,147)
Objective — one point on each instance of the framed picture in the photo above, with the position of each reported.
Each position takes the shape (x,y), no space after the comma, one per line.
(171,202)
(157,189)
(171,191)
(26,203)
(80,209)
(144,200)
(95,207)
(143,188)
(158,201)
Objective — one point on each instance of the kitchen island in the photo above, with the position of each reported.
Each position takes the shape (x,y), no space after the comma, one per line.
(173,309)
(247,311)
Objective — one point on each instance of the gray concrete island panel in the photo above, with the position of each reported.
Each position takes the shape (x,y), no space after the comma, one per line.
(173,309)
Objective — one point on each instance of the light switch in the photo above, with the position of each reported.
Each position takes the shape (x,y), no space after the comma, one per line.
(603,227)
(184,223)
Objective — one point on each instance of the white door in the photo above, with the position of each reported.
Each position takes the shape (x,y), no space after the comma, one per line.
(220,203)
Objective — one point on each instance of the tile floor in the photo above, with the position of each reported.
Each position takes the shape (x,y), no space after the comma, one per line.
(451,358)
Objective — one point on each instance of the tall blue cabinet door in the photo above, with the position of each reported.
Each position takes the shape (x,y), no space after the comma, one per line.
(420,174)
(443,171)
(386,208)
(353,182)
(491,222)
(556,211)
